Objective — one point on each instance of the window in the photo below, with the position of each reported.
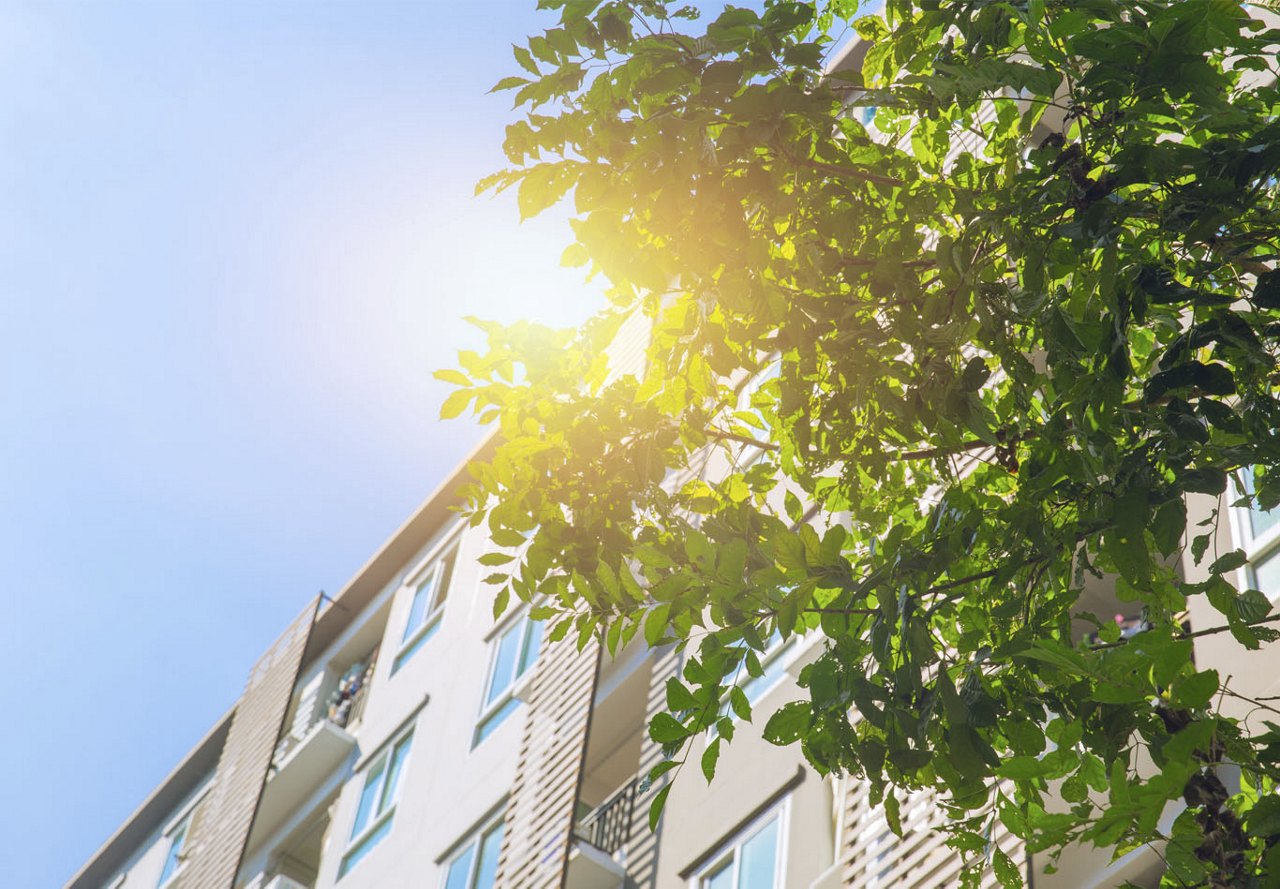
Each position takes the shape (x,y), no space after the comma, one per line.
(1258,532)
(514,652)
(1256,522)
(175,857)
(377,803)
(427,607)
(476,865)
(753,398)
(774,666)
(773,663)
(752,860)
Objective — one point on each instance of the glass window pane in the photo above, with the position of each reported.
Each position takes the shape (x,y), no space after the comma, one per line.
(174,856)
(758,859)
(409,650)
(533,643)
(421,600)
(460,869)
(398,757)
(496,719)
(755,687)
(490,846)
(1262,520)
(721,878)
(504,663)
(1266,573)
(446,572)
(362,848)
(369,796)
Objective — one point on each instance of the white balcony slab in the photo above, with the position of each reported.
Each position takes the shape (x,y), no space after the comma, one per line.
(312,759)
(589,868)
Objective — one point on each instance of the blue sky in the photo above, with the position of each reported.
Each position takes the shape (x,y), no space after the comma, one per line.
(235,239)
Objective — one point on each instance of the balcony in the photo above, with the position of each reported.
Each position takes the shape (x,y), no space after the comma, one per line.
(317,741)
(596,858)
(608,826)
(282,882)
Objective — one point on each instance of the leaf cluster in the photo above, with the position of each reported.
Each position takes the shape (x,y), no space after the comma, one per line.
(938,338)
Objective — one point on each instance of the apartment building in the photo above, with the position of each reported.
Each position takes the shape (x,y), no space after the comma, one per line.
(398,735)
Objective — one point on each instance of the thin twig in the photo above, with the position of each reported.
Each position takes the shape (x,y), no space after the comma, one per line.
(1195,635)
(742,439)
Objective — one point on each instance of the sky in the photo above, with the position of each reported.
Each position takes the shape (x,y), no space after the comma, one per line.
(235,240)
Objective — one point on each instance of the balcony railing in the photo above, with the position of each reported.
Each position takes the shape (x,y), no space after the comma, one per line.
(1129,626)
(344,707)
(608,825)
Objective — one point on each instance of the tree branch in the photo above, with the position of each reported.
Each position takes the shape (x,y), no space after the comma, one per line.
(843,172)
(938,588)
(856,262)
(722,435)
(971,444)
(922,454)
(1211,631)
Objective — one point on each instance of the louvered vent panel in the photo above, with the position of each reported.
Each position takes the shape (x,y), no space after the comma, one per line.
(218,839)
(541,807)
(874,858)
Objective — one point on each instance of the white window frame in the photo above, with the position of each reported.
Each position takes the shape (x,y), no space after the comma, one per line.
(359,844)
(473,839)
(181,821)
(181,827)
(437,569)
(1258,548)
(491,710)
(731,850)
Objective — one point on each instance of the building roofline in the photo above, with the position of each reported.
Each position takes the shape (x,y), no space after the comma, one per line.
(392,556)
(345,608)
(155,809)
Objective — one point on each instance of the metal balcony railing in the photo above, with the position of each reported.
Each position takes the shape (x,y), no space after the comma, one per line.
(344,707)
(608,825)
(1130,626)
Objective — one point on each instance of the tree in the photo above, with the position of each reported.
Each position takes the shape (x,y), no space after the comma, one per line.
(1017,323)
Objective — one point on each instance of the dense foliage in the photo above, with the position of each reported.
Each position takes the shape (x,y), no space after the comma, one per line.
(938,339)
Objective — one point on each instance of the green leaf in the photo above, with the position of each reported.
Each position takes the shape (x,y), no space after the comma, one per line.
(1252,606)
(449,375)
(456,403)
(656,807)
(1229,562)
(1128,551)
(892,814)
(666,729)
(525,59)
(1263,820)
(709,757)
(508,83)
(540,187)
(1006,871)
(500,602)
(1266,293)
(506,537)
(788,724)
(655,623)
(1194,692)
(679,697)
(1022,768)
